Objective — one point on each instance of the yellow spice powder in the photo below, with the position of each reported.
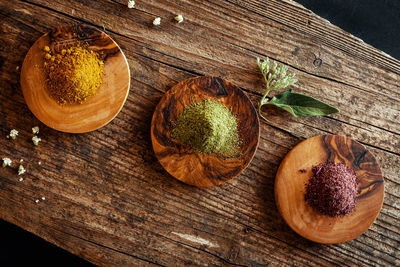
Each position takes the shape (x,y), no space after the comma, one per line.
(74,73)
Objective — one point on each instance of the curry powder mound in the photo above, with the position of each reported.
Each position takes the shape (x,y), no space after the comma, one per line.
(74,73)
(207,127)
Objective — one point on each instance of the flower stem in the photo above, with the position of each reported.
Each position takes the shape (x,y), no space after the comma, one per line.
(261,103)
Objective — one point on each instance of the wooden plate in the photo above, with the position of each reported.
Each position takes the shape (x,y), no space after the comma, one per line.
(290,189)
(178,159)
(97,110)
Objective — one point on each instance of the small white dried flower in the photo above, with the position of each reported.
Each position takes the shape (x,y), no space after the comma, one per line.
(21,169)
(7,162)
(13,133)
(36,140)
(131,4)
(35,130)
(40,163)
(37,201)
(21,179)
(21,160)
(43,198)
(157,21)
(179,18)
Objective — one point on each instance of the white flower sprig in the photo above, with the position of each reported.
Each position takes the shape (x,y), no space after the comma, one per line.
(275,77)
(299,105)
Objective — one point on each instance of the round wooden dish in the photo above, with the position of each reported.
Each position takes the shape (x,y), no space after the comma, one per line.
(290,189)
(97,110)
(195,168)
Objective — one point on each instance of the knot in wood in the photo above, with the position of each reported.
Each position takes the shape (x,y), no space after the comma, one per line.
(317,62)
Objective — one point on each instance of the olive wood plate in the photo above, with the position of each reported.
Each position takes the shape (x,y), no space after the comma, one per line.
(290,189)
(97,110)
(178,159)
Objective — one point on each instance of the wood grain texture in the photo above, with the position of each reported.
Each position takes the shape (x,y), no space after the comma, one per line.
(196,168)
(110,201)
(290,189)
(97,110)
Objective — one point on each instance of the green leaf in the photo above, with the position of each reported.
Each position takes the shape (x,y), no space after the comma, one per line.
(300,105)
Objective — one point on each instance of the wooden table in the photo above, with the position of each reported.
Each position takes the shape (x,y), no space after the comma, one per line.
(109,201)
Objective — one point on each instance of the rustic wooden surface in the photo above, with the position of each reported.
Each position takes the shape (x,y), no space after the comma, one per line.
(97,110)
(182,162)
(290,189)
(108,199)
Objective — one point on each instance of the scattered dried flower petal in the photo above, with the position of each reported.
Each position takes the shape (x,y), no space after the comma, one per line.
(43,198)
(36,140)
(13,133)
(37,201)
(21,169)
(131,4)
(7,162)
(35,130)
(157,21)
(179,18)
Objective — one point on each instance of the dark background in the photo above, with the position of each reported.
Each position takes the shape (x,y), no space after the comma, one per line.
(377,22)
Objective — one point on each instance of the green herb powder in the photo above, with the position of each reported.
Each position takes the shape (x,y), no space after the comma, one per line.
(208,127)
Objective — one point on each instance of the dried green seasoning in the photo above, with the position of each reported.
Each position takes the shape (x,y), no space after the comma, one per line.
(208,127)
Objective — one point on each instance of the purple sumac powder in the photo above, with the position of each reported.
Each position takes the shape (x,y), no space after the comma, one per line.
(332,190)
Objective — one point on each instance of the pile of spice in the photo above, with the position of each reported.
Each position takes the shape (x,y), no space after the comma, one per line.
(332,190)
(208,127)
(74,73)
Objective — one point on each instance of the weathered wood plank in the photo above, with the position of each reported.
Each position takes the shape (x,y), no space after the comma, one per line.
(107,198)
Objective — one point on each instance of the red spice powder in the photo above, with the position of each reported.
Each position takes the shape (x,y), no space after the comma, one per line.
(332,190)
